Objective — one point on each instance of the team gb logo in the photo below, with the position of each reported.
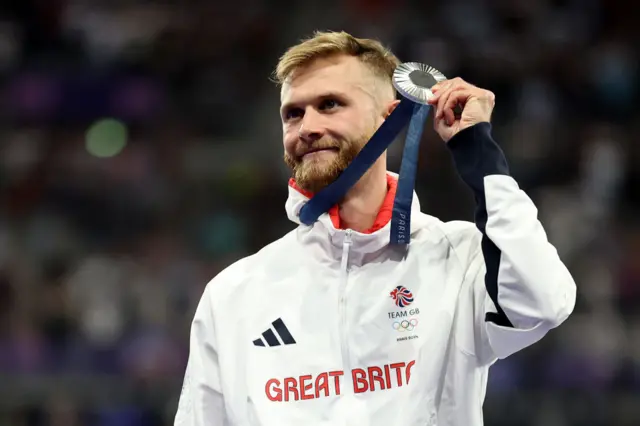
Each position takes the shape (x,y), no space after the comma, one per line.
(401,296)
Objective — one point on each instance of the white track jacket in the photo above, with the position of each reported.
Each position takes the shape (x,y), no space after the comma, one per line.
(334,327)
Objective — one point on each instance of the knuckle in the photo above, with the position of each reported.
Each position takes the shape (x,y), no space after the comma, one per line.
(490,96)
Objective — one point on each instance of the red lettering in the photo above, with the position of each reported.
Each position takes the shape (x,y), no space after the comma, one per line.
(336,375)
(307,386)
(359,380)
(304,388)
(291,385)
(375,375)
(397,366)
(322,383)
(411,364)
(273,391)
(387,376)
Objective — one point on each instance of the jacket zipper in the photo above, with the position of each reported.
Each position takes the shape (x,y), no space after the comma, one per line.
(344,275)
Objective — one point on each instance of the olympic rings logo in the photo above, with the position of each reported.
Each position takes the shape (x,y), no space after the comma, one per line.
(405,325)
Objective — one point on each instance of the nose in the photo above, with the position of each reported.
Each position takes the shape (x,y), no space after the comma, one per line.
(310,128)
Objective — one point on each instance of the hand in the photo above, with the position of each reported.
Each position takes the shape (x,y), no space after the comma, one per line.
(476,105)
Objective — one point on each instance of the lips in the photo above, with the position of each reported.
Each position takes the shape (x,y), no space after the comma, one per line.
(311,151)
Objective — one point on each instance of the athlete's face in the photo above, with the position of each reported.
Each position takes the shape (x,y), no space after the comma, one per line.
(329,111)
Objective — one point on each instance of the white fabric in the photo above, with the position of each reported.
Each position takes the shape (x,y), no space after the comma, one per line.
(331,288)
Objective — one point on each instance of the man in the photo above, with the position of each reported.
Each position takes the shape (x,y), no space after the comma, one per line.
(331,325)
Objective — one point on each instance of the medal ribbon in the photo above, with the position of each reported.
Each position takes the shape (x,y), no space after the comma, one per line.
(406,112)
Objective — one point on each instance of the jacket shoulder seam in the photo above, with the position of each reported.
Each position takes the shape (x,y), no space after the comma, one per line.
(439,226)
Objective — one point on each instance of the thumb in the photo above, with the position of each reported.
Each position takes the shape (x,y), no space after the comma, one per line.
(442,128)
(440,125)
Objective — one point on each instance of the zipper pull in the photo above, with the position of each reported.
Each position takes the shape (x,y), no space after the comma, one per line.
(347,237)
(345,250)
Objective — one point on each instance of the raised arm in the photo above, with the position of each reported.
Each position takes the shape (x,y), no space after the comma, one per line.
(522,288)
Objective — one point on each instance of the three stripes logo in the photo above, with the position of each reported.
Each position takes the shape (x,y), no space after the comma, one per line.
(277,336)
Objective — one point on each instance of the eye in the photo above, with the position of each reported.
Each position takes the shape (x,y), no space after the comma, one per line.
(328,104)
(292,113)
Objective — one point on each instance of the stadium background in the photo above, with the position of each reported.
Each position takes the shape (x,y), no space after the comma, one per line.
(140,154)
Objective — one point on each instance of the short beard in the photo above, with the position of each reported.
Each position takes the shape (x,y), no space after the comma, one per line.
(313,177)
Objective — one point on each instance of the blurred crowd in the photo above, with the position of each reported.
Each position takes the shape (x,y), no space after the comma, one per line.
(103,258)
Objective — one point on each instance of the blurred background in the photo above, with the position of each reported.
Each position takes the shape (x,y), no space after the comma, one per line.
(140,153)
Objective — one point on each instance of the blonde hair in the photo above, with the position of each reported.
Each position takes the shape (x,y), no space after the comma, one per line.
(380,60)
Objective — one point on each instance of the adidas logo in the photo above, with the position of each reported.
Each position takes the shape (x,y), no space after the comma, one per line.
(271,337)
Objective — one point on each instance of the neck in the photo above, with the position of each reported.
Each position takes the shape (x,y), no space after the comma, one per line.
(360,207)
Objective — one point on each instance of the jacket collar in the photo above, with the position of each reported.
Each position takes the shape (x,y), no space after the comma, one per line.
(327,228)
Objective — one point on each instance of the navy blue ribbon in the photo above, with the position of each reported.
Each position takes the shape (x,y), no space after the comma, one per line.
(401,218)
(406,112)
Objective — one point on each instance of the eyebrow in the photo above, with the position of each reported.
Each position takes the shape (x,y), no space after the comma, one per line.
(323,96)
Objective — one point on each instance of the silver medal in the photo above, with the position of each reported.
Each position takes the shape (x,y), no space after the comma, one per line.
(414,81)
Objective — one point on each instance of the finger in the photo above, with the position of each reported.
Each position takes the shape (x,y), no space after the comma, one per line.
(439,85)
(444,84)
(457,97)
(438,89)
(439,103)
(444,97)
(437,124)
(441,128)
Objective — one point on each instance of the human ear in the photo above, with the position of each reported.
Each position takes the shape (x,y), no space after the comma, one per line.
(390,107)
